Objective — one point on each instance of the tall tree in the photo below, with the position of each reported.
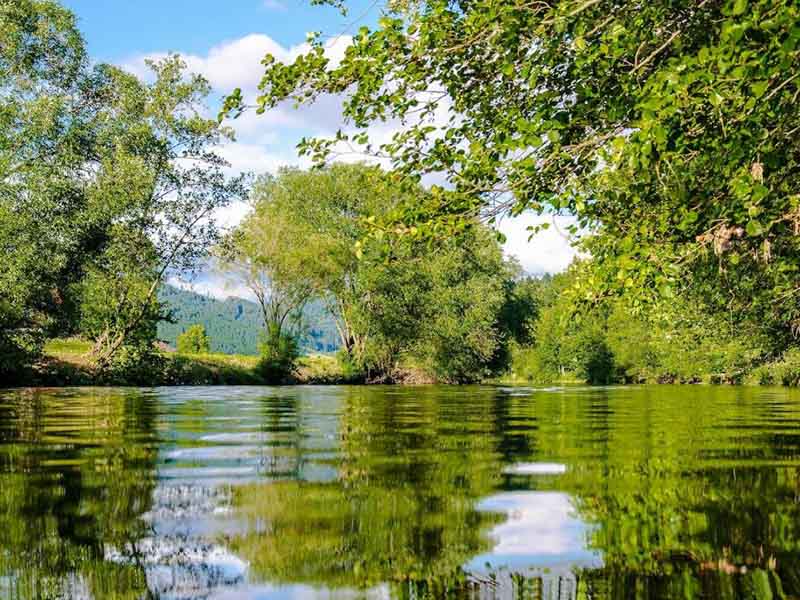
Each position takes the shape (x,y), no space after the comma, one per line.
(434,305)
(158,186)
(107,184)
(306,226)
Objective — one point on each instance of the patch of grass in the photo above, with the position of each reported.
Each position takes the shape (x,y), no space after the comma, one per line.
(321,369)
(65,363)
(72,349)
(211,369)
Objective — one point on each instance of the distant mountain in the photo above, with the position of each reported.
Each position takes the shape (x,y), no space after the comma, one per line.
(234,324)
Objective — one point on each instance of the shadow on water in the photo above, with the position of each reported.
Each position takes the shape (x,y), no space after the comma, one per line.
(606,493)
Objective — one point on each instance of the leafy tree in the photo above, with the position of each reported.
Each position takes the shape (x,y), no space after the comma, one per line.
(439,308)
(306,226)
(107,184)
(679,340)
(160,183)
(668,128)
(264,253)
(194,340)
(435,307)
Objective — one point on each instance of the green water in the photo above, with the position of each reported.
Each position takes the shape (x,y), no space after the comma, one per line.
(336,492)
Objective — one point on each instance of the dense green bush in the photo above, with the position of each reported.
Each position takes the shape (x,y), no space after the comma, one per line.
(137,363)
(194,340)
(279,354)
(681,341)
(19,349)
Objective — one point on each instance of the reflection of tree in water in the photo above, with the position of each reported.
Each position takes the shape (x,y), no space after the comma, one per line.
(678,506)
(77,474)
(689,492)
(689,496)
(402,509)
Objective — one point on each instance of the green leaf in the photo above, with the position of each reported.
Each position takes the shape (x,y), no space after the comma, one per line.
(759,88)
(754,228)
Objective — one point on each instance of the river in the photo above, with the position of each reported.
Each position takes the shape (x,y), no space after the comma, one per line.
(400,492)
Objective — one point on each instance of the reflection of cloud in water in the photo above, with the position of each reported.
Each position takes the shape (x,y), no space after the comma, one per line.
(182,568)
(540,531)
(537,468)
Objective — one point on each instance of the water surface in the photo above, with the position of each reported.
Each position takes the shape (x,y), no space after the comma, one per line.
(400,492)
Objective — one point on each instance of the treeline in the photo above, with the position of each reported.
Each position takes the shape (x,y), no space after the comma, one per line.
(107,185)
(682,340)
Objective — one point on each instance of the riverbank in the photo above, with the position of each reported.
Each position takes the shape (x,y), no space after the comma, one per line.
(64,363)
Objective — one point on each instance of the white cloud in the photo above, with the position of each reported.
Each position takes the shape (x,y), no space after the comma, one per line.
(215,284)
(273,5)
(237,63)
(549,251)
(540,530)
(268,141)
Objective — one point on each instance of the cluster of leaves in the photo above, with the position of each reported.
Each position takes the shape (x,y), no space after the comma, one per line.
(107,184)
(279,352)
(668,128)
(437,308)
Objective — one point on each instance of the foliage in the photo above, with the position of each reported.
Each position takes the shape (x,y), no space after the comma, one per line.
(42,118)
(432,306)
(279,352)
(194,340)
(326,207)
(107,184)
(683,340)
(160,185)
(668,128)
(438,307)
(785,371)
(137,362)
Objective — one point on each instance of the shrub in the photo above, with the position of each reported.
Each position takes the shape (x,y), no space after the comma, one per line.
(596,362)
(137,363)
(194,340)
(279,354)
(350,369)
(19,349)
(786,371)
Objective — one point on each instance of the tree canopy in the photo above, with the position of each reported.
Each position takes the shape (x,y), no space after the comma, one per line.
(436,306)
(668,128)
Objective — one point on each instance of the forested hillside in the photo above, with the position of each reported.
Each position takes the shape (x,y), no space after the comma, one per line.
(234,324)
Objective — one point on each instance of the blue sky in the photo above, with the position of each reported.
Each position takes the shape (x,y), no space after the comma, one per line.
(117,29)
(225,41)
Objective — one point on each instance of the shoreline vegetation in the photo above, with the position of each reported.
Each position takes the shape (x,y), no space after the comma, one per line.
(64,363)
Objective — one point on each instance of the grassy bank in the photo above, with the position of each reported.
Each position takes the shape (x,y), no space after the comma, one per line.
(65,363)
